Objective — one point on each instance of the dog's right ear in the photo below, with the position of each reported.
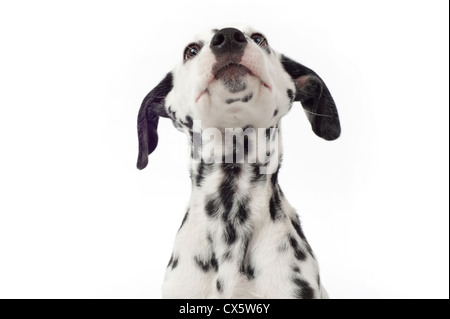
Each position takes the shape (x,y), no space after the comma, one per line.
(151,109)
(316,99)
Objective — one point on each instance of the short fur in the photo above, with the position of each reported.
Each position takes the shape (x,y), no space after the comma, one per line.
(239,238)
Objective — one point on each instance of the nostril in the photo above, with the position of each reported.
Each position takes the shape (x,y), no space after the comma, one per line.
(228,40)
(239,37)
(217,40)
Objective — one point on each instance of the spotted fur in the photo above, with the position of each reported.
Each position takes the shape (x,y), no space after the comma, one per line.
(240,237)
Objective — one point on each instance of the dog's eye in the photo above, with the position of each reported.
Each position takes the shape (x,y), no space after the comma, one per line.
(191,51)
(259,39)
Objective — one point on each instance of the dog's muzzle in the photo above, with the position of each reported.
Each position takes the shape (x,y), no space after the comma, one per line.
(228,45)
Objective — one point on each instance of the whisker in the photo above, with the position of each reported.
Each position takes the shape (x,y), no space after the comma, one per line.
(324,115)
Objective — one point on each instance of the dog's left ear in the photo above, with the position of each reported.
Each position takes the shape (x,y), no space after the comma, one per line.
(316,99)
(147,124)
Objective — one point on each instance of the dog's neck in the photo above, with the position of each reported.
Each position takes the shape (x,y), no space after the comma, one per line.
(225,188)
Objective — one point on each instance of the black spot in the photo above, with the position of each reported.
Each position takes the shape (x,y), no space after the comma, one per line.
(246,139)
(274,178)
(268,133)
(248,271)
(231,101)
(290,94)
(189,122)
(273,209)
(175,263)
(257,177)
(204,169)
(204,265)
(214,263)
(247,98)
(170,261)
(227,187)
(298,252)
(226,191)
(246,267)
(212,206)
(200,174)
(207,265)
(238,155)
(303,289)
(226,216)
(246,244)
(231,170)
(184,219)
(191,140)
(275,113)
(298,229)
(242,213)
(275,205)
(230,234)
(296,269)
(219,285)
(310,251)
(246,144)
(215,30)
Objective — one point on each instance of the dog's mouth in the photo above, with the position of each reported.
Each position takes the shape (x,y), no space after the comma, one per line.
(232,75)
(231,72)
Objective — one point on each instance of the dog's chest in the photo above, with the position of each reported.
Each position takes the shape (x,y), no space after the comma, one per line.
(239,236)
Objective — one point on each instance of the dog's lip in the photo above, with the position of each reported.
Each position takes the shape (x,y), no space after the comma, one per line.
(219,72)
(201,94)
(223,68)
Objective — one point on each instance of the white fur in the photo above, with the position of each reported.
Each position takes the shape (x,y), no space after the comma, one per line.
(269,250)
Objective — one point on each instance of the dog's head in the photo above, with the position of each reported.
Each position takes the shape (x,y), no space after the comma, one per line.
(231,78)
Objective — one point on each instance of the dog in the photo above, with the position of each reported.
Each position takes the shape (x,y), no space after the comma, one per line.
(240,238)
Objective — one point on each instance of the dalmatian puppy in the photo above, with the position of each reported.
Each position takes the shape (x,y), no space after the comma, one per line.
(240,238)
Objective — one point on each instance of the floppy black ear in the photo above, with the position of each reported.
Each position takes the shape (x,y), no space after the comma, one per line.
(316,99)
(151,109)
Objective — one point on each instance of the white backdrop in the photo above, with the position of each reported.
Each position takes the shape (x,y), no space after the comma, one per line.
(77,219)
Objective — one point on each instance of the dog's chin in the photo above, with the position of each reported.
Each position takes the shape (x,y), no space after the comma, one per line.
(229,81)
(233,87)
(233,80)
(233,77)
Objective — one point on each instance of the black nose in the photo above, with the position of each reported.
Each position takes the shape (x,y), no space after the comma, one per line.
(228,41)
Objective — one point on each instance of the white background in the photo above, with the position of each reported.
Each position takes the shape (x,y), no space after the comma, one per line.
(78,220)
